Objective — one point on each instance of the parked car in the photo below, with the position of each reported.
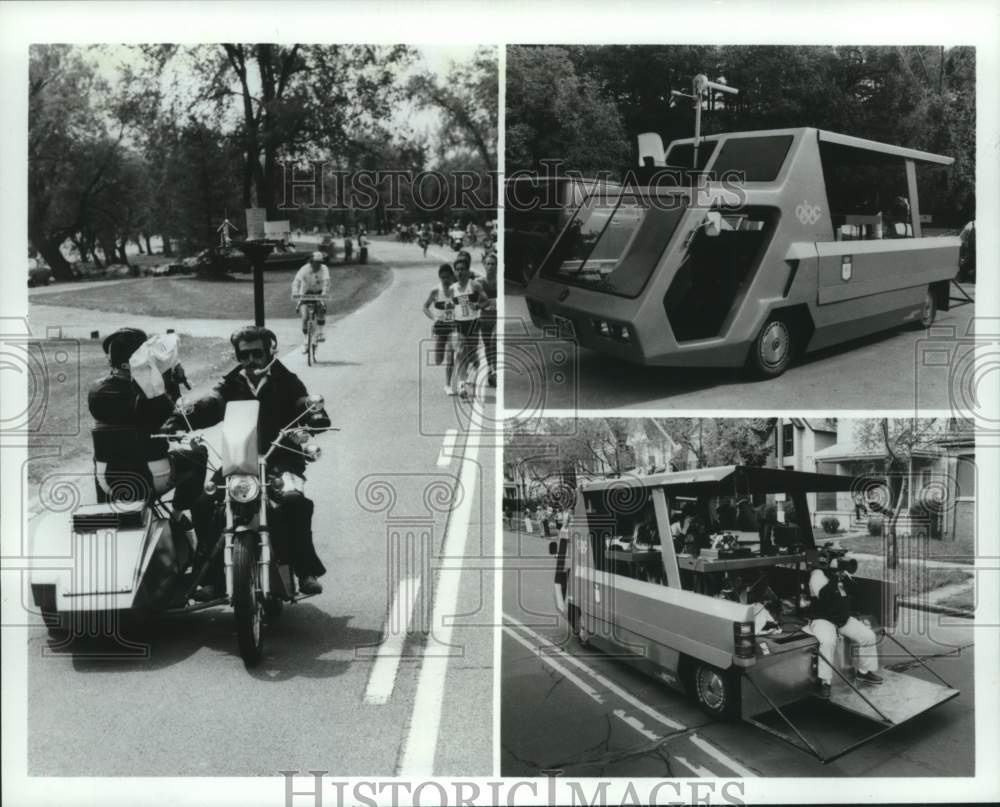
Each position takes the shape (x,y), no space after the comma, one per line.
(39,274)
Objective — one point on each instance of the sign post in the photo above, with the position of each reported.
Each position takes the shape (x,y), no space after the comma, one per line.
(257,247)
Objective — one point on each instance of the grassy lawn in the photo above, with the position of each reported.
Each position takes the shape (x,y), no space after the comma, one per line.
(190,297)
(960,551)
(914,580)
(66,417)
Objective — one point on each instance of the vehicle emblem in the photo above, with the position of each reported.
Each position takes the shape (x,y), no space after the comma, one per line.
(846,268)
(563,295)
(807,213)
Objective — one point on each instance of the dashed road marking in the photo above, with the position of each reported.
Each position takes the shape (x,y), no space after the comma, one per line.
(636,724)
(601,679)
(382,679)
(447,448)
(698,769)
(722,756)
(579,683)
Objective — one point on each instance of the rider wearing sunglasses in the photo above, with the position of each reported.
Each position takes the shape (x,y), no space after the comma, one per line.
(262,377)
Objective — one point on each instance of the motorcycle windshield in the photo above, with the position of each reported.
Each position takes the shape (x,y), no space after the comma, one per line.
(613,243)
(239,438)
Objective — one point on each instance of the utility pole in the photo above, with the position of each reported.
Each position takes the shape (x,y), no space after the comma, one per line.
(700,85)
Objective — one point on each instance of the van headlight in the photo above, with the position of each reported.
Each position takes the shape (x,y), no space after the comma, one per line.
(243,487)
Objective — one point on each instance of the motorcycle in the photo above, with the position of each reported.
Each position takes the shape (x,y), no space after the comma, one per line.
(128,557)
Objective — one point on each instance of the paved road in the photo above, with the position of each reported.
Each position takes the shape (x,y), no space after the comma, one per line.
(586,714)
(899,369)
(404,514)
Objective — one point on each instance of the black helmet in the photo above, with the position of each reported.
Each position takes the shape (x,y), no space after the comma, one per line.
(121,344)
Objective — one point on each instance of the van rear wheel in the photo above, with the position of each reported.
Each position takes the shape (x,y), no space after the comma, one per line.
(772,350)
(717,691)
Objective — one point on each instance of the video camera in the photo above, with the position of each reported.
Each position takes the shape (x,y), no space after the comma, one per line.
(831,559)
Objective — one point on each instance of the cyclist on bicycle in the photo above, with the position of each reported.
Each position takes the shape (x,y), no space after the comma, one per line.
(312,279)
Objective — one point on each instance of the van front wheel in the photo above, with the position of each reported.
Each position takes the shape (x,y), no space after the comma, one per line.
(772,350)
(717,691)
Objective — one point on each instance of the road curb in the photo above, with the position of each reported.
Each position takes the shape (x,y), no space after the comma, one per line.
(937,609)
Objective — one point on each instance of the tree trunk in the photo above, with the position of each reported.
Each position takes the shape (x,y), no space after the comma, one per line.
(890,537)
(168,251)
(149,247)
(62,270)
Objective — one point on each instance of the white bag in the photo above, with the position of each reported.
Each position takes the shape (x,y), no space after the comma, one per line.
(155,356)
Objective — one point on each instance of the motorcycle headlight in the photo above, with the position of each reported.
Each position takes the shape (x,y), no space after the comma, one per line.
(243,487)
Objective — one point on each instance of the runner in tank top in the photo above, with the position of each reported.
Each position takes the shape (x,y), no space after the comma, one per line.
(469,297)
(440,308)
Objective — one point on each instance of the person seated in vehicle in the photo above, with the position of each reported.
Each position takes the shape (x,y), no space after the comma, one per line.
(830,615)
(646,534)
(283,397)
(128,405)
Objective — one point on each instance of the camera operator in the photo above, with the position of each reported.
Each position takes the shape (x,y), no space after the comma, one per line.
(830,613)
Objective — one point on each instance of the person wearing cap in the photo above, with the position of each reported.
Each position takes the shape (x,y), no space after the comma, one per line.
(260,376)
(312,279)
(128,405)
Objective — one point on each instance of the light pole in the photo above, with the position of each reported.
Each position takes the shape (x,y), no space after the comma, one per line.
(699,86)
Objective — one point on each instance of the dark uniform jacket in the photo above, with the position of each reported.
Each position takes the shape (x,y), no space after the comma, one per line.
(282,397)
(833,603)
(118,407)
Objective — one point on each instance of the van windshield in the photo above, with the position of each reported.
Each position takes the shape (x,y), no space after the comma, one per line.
(613,244)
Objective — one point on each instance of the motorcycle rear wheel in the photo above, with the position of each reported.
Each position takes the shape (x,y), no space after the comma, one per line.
(248,608)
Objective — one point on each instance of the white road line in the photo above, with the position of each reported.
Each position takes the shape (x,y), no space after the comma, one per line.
(447,448)
(698,769)
(722,757)
(636,723)
(417,759)
(382,679)
(579,683)
(604,681)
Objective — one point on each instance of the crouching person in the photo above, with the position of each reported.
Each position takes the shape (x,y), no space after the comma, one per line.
(831,617)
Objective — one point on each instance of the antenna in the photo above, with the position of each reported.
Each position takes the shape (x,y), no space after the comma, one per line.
(699,86)
(224,229)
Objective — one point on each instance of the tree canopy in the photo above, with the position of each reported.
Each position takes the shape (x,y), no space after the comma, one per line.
(132,142)
(585,105)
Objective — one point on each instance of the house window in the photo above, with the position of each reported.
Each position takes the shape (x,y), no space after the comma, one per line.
(787,440)
(965,478)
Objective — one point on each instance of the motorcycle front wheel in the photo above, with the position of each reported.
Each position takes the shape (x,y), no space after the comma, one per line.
(248,608)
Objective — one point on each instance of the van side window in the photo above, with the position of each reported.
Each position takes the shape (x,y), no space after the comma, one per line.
(624,535)
(867,193)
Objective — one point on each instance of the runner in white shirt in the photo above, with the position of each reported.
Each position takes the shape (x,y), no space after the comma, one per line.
(440,307)
(312,279)
(469,297)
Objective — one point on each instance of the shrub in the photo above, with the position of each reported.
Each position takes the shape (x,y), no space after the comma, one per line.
(875,525)
(830,524)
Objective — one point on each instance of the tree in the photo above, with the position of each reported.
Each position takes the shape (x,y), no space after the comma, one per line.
(721,441)
(295,101)
(70,155)
(467,97)
(555,114)
(896,440)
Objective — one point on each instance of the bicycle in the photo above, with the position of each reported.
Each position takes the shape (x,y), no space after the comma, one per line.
(311,300)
